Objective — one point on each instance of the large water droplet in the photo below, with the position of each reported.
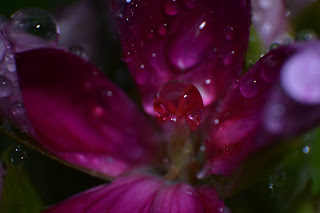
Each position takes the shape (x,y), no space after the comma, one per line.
(179,101)
(171,7)
(249,87)
(35,22)
(5,87)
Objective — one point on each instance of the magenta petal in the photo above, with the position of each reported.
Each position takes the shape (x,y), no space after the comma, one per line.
(143,194)
(237,131)
(132,194)
(201,41)
(81,116)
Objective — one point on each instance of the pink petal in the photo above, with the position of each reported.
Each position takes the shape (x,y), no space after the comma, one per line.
(237,131)
(201,41)
(125,195)
(271,20)
(80,116)
(143,194)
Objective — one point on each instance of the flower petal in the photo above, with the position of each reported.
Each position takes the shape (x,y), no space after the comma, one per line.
(200,41)
(270,19)
(133,194)
(237,130)
(81,116)
(143,194)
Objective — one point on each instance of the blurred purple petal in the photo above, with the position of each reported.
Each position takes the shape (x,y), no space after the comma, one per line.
(143,194)
(199,41)
(236,130)
(270,19)
(81,116)
(294,104)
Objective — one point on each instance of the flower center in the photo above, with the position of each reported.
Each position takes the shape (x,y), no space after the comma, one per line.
(180,104)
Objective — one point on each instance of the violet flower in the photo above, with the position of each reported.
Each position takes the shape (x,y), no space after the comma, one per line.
(81,117)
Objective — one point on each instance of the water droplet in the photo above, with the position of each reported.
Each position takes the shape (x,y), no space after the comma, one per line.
(202,25)
(11,67)
(249,87)
(150,34)
(17,148)
(216,121)
(79,51)
(162,29)
(305,35)
(202,148)
(306,150)
(5,87)
(274,46)
(179,101)
(154,55)
(229,35)
(33,21)
(18,108)
(128,1)
(23,155)
(271,186)
(127,57)
(207,82)
(171,7)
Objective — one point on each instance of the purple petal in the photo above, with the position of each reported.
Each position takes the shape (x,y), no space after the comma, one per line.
(270,19)
(199,41)
(11,104)
(80,116)
(143,194)
(237,131)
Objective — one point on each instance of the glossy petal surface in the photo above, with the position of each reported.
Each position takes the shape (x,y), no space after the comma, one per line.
(198,41)
(142,194)
(236,131)
(81,116)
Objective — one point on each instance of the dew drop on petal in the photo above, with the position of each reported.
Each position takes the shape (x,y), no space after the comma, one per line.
(162,29)
(249,87)
(33,21)
(18,108)
(178,101)
(5,87)
(171,7)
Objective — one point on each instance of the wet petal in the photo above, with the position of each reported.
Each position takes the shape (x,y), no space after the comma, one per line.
(31,28)
(11,104)
(143,194)
(81,116)
(199,41)
(237,130)
(270,17)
